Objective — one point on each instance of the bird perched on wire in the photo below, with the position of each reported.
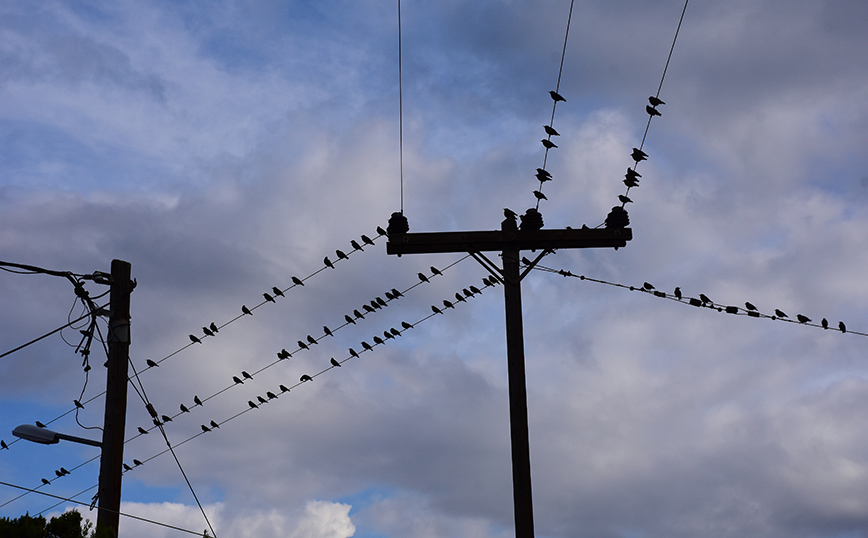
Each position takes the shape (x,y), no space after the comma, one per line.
(551,130)
(750,307)
(297,281)
(624,199)
(334,362)
(195,339)
(802,318)
(704,298)
(207,331)
(543,175)
(825,323)
(556,96)
(277,291)
(214,424)
(539,195)
(326,331)
(143,431)
(367,240)
(677,293)
(213,327)
(842,327)
(184,409)
(246,310)
(151,363)
(341,255)
(348,319)
(780,313)
(196,400)
(246,375)
(638,155)
(652,111)
(268,297)
(422,277)
(328,262)
(648,286)
(548,144)
(655,101)
(305,378)
(237,380)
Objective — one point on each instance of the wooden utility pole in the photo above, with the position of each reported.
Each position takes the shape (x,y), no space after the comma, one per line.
(111,462)
(509,241)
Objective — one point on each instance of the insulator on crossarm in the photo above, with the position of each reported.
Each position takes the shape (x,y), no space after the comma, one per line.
(531,220)
(398,225)
(617,218)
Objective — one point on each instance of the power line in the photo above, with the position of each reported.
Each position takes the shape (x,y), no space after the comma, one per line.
(704,301)
(66,499)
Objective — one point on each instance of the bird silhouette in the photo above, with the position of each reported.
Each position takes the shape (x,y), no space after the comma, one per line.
(3,445)
(207,331)
(448,304)
(127,467)
(367,240)
(58,473)
(556,96)
(214,424)
(143,431)
(268,297)
(631,182)
(390,296)
(460,298)
(78,404)
(632,174)
(151,363)
(397,293)
(548,144)
(355,244)
(750,307)
(802,319)
(624,199)
(301,345)
(205,428)
(297,281)
(305,378)
(406,325)
(387,335)
(638,155)
(277,292)
(261,400)
(271,395)
(46,482)
(136,462)
(368,308)
(422,277)
(358,314)
(677,293)
(825,323)
(704,298)
(377,340)
(213,327)
(246,375)
(341,255)
(366,345)
(539,195)
(39,424)
(551,130)
(326,331)
(246,310)
(381,231)
(543,177)
(349,319)
(353,353)
(648,286)
(311,339)
(380,301)
(196,400)
(436,310)
(237,380)
(475,290)
(283,354)
(655,101)
(252,405)
(652,111)
(328,262)
(435,271)
(283,388)
(184,409)
(842,326)
(780,313)
(166,418)
(334,362)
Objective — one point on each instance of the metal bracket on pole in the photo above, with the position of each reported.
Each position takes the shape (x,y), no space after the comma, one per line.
(532,264)
(485,262)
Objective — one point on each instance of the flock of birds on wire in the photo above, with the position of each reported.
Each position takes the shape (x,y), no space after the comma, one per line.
(305,344)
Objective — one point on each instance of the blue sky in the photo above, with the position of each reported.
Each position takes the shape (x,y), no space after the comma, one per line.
(223,148)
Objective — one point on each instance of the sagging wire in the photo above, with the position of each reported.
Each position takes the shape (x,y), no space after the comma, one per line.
(467,292)
(703,300)
(209,331)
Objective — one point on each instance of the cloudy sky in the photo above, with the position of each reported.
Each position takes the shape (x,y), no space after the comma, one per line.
(223,148)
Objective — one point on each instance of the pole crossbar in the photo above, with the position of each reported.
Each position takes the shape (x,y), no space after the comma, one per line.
(510,242)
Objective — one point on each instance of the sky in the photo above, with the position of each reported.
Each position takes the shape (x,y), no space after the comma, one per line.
(223,148)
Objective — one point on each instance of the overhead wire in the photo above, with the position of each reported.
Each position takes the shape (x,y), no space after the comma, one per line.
(704,301)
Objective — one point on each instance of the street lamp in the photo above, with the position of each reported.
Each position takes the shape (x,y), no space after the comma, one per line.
(45,436)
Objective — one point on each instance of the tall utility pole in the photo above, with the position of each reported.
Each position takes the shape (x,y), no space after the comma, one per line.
(111,462)
(509,241)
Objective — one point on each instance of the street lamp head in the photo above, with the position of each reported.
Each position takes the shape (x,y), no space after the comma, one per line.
(36,434)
